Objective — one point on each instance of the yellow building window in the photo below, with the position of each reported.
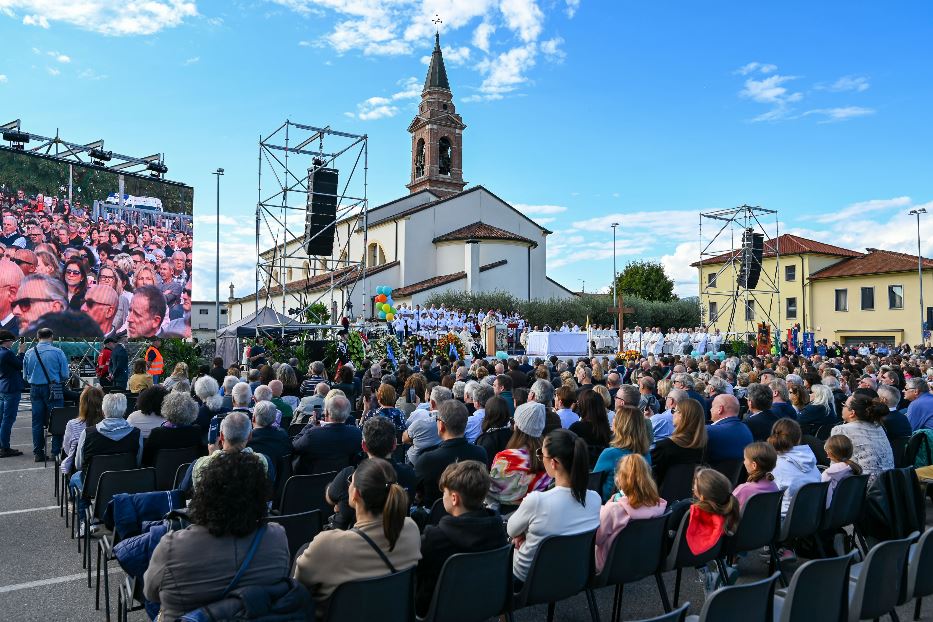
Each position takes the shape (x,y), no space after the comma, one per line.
(790,273)
(791,308)
(895,296)
(868,298)
(842,300)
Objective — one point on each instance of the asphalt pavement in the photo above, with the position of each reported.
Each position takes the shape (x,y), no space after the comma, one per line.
(41,576)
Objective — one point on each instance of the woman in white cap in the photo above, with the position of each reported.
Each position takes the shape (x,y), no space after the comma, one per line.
(518,469)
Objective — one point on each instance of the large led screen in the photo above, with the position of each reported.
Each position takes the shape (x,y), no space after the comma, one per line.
(91,252)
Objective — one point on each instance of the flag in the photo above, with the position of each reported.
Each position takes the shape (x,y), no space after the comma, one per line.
(418,350)
(587,323)
(453,352)
(390,354)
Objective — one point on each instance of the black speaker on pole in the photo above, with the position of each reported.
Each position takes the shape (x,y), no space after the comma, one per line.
(322,211)
(750,258)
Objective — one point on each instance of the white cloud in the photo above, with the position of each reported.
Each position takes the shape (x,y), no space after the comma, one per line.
(846,83)
(529,210)
(572,6)
(384,107)
(770,91)
(108,17)
(62,58)
(832,115)
(90,74)
(305,44)
(210,219)
(506,73)
(756,66)
(861,208)
(192,60)
(455,56)
(52,71)
(551,49)
(524,17)
(482,34)
(3,79)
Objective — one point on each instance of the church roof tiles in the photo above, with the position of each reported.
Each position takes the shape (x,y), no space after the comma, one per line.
(482,231)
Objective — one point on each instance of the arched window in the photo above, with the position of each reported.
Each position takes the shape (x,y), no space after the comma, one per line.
(376,256)
(419,159)
(306,269)
(443,162)
(291,275)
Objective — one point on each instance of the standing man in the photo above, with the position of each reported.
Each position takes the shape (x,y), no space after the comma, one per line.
(11,386)
(119,363)
(103,364)
(44,365)
(155,364)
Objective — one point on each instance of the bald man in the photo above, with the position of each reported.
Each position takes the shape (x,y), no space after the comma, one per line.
(727,436)
(100,303)
(10,278)
(26,260)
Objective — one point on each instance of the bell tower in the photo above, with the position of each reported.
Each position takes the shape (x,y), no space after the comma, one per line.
(437,134)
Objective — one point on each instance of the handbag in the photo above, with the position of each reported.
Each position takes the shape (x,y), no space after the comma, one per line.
(56,389)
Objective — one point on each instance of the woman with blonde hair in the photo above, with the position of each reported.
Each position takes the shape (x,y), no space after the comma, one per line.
(686,445)
(90,414)
(629,436)
(821,411)
(47,263)
(179,374)
(598,377)
(664,387)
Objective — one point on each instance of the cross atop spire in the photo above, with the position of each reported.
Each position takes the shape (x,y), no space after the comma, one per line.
(437,73)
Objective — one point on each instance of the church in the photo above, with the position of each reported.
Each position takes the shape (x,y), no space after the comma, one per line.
(441,236)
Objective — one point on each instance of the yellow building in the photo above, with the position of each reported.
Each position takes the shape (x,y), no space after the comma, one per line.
(839,294)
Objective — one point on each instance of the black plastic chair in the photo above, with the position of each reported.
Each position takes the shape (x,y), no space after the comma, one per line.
(636,553)
(678,482)
(819,590)
(306,492)
(681,557)
(437,512)
(129,598)
(596,481)
(758,527)
(730,468)
(111,483)
(677,615)
(875,584)
(389,598)
(180,475)
(294,429)
(899,449)
(845,508)
(561,568)
(283,471)
(749,602)
(98,465)
(167,462)
(300,529)
(804,517)
(488,573)
(919,577)
(58,419)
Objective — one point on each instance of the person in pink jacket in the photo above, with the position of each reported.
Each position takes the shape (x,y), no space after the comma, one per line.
(638,499)
(839,450)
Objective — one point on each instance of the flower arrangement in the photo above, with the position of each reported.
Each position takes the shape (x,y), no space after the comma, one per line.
(630,355)
(443,345)
(356,350)
(380,350)
(415,347)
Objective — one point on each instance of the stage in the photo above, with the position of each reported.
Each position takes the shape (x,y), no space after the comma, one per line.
(557,344)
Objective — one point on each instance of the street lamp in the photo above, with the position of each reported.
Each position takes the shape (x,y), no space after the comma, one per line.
(917,212)
(219,172)
(615,296)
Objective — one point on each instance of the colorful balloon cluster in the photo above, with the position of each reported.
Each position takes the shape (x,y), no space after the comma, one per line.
(384,305)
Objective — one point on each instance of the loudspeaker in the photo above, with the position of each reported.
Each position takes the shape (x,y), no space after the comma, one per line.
(322,211)
(753,246)
(315,349)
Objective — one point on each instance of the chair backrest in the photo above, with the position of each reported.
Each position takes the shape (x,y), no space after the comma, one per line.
(678,482)
(102,463)
(113,482)
(819,590)
(167,462)
(758,527)
(488,573)
(387,599)
(180,475)
(847,504)
(730,468)
(919,577)
(749,602)
(437,512)
(883,566)
(677,615)
(300,529)
(596,481)
(816,446)
(681,556)
(294,429)
(560,569)
(60,418)
(899,449)
(306,492)
(805,512)
(283,471)
(636,552)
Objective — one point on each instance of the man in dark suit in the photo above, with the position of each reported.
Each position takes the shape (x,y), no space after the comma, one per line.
(11,388)
(331,446)
(780,400)
(265,439)
(727,436)
(451,425)
(760,418)
(119,364)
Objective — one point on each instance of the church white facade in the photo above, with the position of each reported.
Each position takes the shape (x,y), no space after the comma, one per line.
(439,237)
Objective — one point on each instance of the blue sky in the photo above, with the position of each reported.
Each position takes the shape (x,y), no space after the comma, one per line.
(581,112)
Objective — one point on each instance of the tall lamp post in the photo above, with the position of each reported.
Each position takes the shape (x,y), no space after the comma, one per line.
(917,212)
(219,172)
(615,295)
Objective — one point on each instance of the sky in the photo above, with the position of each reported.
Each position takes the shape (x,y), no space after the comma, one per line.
(579,113)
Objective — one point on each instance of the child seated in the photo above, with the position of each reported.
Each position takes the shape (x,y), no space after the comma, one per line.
(638,499)
(760,460)
(839,450)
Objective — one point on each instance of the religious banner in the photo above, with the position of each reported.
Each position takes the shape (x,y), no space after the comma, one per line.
(808,344)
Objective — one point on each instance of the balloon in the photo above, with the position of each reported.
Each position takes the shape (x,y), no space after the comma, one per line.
(382,315)
(388,290)
(386,308)
(390,301)
(390,316)
(380,298)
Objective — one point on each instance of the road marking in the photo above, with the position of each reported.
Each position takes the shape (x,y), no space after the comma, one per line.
(43,582)
(48,507)
(41,468)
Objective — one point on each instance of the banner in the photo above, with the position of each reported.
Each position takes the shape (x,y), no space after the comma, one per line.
(808,344)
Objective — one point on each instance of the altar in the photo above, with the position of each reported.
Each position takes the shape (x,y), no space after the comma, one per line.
(557,344)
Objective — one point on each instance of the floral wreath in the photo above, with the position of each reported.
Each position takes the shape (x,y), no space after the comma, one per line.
(415,347)
(356,349)
(443,345)
(380,349)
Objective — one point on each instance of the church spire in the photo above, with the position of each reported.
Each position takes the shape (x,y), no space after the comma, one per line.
(437,73)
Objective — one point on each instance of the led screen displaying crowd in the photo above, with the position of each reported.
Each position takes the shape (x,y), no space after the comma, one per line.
(91,278)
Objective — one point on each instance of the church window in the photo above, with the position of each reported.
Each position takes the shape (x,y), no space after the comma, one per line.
(306,269)
(444,150)
(376,256)
(419,158)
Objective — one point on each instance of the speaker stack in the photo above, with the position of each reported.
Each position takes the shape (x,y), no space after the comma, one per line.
(321,214)
(753,246)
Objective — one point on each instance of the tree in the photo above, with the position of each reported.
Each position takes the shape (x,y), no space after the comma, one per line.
(646,280)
